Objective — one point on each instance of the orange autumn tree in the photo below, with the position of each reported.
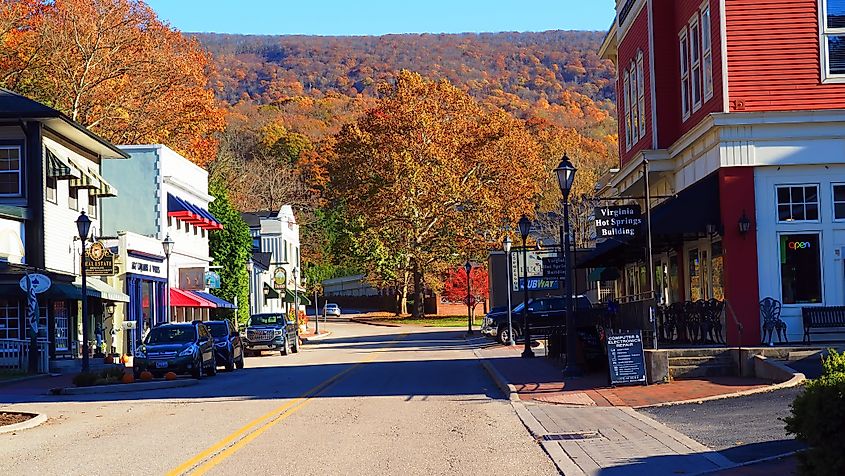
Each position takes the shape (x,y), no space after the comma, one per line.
(113,66)
(431,175)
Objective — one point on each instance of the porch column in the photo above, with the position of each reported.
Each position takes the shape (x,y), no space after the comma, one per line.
(736,194)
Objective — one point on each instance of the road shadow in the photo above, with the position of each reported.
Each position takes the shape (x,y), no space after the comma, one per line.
(694,464)
(401,376)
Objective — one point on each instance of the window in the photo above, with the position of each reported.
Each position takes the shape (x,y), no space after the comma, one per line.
(695,62)
(169,221)
(685,76)
(833,38)
(839,201)
(635,117)
(73,198)
(9,319)
(695,282)
(196,231)
(800,269)
(92,205)
(641,94)
(52,189)
(627,105)
(798,203)
(256,243)
(706,51)
(178,224)
(10,171)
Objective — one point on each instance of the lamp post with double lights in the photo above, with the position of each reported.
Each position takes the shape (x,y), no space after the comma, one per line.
(565,177)
(167,247)
(83,227)
(506,245)
(524,230)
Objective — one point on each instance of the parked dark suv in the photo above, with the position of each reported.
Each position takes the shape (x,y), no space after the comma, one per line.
(228,349)
(544,314)
(271,331)
(180,348)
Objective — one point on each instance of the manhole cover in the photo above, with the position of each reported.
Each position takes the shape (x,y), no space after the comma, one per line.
(572,436)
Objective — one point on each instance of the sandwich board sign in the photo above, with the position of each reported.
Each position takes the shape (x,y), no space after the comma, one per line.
(626,358)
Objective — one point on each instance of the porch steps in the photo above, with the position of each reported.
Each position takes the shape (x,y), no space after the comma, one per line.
(694,363)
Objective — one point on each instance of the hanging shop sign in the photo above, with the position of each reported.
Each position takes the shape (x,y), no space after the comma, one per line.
(40,283)
(538,280)
(626,358)
(99,261)
(554,267)
(280,278)
(212,280)
(192,279)
(618,221)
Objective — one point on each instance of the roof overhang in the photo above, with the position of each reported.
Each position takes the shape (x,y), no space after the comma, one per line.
(609,47)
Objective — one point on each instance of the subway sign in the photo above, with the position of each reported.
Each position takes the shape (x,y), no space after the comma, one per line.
(540,284)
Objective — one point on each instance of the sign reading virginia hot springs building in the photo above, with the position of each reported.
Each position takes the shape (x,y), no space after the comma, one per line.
(618,221)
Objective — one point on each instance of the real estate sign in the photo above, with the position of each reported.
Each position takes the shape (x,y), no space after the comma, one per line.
(618,221)
(99,261)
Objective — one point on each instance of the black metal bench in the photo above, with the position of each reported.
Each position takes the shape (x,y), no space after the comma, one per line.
(825,318)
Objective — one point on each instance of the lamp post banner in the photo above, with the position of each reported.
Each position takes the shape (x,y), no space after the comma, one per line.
(618,221)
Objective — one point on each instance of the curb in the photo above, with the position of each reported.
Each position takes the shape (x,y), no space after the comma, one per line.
(373,323)
(753,462)
(320,337)
(37,419)
(797,379)
(24,379)
(508,389)
(126,388)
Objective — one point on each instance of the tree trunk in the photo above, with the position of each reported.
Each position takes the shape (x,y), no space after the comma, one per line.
(418,312)
(403,296)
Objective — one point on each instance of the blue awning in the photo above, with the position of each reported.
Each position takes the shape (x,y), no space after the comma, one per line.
(221,303)
(184,210)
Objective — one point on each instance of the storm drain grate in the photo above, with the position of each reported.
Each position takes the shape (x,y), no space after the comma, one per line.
(572,436)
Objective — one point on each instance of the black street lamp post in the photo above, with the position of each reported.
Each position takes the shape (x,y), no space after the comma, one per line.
(524,230)
(565,177)
(506,245)
(468,269)
(167,247)
(83,226)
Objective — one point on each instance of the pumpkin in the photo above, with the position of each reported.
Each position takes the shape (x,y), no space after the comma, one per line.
(146,375)
(122,358)
(170,376)
(128,378)
(108,360)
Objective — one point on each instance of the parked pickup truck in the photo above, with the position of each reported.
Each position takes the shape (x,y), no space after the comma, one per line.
(271,331)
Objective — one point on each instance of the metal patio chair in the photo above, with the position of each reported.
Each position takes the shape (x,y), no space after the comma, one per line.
(770,314)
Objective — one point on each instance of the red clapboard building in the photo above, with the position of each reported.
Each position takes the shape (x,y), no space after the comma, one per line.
(736,111)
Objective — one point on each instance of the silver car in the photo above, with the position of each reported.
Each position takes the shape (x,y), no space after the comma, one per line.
(331,310)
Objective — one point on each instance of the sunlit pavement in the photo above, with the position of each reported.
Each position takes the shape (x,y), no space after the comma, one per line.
(365,400)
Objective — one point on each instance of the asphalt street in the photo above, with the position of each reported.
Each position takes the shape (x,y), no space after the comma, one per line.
(742,429)
(367,400)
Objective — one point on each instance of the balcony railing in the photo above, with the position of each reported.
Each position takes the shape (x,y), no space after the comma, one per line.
(14,355)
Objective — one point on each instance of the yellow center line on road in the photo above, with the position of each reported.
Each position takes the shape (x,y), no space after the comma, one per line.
(213,455)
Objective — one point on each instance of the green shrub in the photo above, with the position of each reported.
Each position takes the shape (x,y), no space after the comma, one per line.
(86,379)
(818,419)
(113,373)
(833,363)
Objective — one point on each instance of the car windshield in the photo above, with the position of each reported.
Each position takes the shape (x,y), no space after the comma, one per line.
(171,335)
(218,329)
(266,319)
(331,306)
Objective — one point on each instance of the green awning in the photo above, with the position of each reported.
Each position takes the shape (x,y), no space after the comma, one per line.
(270,293)
(101,290)
(86,180)
(595,274)
(105,189)
(603,274)
(290,297)
(59,168)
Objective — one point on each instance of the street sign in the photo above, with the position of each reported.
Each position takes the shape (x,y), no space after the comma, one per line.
(626,358)
(618,221)
(539,284)
(554,267)
(40,283)
(99,261)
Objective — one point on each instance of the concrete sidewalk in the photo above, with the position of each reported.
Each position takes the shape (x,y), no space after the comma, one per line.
(614,441)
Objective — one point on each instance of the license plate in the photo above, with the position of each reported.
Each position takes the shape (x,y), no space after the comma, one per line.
(161,365)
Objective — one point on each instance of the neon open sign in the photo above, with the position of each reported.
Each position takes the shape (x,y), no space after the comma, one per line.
(799,245)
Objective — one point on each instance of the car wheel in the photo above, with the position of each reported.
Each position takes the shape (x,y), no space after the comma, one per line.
(230,365)
(198,370)
(503,335)
(295,344)
(286,347)
(240,362)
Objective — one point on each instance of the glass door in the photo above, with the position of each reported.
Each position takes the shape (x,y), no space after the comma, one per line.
(60,317)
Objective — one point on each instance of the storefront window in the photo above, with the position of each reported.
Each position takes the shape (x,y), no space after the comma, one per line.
(60,314)
(839,201)
(800,268)
(717,271)
(694,275)
(798,203)
(147,305)
(674,288)
(9,319)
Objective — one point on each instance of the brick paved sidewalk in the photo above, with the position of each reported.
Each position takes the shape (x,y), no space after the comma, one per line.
(540,379)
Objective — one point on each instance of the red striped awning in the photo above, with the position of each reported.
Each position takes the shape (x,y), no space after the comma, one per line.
(182,298)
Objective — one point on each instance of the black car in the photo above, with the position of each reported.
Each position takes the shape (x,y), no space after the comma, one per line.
(180,348)
(228,349)
(544,314)
(271,331)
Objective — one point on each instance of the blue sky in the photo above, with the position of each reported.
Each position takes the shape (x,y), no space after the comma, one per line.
(377,17)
